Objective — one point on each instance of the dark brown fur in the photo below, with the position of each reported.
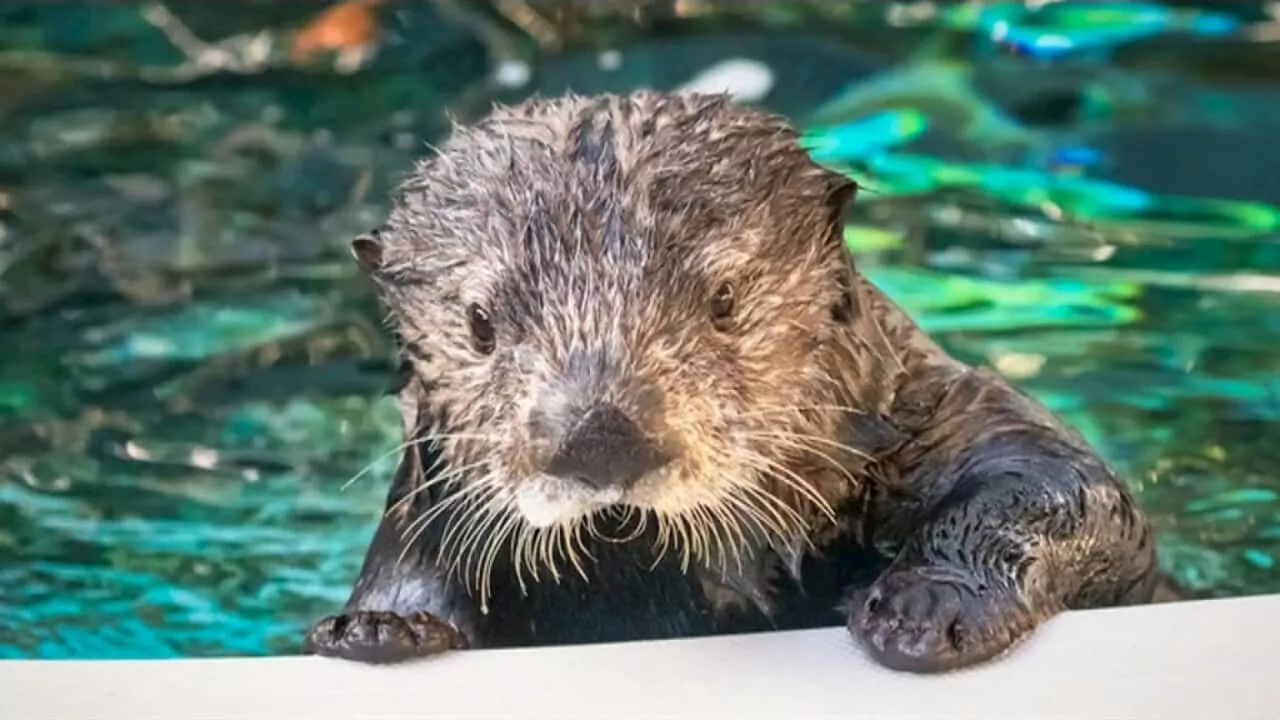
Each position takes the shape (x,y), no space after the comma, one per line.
(818,451)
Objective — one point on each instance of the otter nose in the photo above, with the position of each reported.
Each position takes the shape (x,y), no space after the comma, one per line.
(606,450)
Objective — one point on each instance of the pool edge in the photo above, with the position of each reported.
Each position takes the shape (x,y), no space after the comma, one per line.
(1196,659)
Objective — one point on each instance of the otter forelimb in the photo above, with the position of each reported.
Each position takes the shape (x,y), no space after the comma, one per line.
(642,308)
(1016,521)
(403,605)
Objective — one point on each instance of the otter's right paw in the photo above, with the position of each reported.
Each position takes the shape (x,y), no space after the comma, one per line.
(382,637)
(933,619)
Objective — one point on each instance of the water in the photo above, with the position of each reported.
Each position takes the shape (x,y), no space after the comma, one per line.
(191,369)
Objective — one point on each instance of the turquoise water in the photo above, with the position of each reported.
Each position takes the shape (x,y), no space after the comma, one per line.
(191,370)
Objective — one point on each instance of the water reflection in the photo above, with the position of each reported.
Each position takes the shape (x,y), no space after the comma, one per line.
(192,370)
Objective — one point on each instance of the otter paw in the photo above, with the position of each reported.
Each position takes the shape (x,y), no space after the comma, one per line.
(382,637)
(929,620)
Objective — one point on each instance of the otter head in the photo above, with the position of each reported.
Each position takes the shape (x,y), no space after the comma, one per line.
(637,302)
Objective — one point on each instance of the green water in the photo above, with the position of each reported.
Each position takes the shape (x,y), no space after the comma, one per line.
(190,369)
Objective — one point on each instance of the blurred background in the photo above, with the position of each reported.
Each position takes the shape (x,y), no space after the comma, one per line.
(1080,194)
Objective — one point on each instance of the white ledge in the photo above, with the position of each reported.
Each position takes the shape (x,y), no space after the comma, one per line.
(1200,660)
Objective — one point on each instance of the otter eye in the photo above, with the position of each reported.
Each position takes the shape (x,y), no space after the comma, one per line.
(721,306)
(482,336)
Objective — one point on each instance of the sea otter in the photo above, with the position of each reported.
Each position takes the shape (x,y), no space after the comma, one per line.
(647,394)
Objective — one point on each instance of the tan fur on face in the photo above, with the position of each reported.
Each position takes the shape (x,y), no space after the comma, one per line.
(603,226)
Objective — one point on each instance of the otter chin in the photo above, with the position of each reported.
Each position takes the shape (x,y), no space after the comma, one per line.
(548,500)
(646,393)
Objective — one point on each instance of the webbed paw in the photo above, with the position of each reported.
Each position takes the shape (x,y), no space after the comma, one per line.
(382,637)
(929,620)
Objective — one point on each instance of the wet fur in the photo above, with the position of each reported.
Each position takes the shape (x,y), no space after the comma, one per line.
(938,511)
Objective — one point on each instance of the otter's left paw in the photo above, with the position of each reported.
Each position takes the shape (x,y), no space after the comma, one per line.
(928,620)
(382,637)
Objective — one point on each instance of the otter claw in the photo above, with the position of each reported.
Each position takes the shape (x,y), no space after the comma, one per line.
(379,637)
(928,622)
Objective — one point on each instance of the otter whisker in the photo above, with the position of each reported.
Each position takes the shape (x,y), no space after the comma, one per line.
(421,524)
(472,553)
(727,528)
(436,480)
(492,545)
(793,441)
(411,532)
(715,553)
(745,510)
(476,499)
(457,496)
(642,523)
(799,528)
(542,556)
(413,442)
(556,543)
(478,550)
(669,536)
(566,534)
(827,441)
(704,517)
(732,527)
(751,525)
(699,540)
(662,539)
(886,345)
(465,499)
(482,522)
(545,558)
(537,552)
(541,553)
(575,548)
(589,522)
(563,545)
(401,447)
(797,483)
(763,409)
(496,543)
(535,549)
(624,516)
(548,547)
(686,540)
(784,517)
(438,435)
(760,465)
(467,558)
(520,554)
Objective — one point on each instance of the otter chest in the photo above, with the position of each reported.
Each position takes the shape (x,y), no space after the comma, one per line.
(630,597)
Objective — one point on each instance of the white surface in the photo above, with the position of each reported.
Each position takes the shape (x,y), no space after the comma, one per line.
(745,80)
(1211,660)
(513,74)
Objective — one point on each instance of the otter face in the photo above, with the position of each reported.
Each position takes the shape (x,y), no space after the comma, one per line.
(624,303)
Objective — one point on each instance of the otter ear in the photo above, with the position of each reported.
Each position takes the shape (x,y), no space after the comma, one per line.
(367,250)
(840,194)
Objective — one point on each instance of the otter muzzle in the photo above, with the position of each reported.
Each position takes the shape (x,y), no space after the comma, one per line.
(606,450)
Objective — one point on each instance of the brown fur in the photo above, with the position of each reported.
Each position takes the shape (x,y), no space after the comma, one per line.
(785,368)
(594,231)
